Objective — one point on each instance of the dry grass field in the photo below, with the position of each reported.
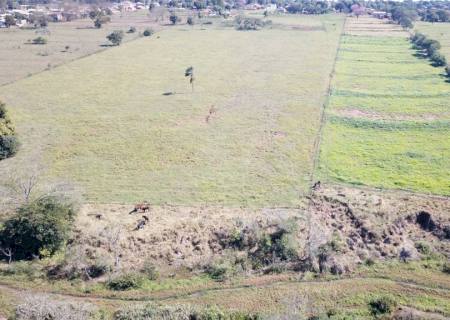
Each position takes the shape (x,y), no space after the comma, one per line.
(19,59)
(104,123)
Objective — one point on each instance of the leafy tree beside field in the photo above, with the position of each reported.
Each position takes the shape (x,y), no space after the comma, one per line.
(190,73)
(148,32)
(115,37)
(10,21)
(8,140)
(430,47)
(38,228)
(100,17)
(174,19)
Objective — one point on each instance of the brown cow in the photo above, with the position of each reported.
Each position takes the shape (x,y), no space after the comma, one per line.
(141,207)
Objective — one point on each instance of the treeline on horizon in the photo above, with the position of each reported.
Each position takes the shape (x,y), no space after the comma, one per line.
(432,11)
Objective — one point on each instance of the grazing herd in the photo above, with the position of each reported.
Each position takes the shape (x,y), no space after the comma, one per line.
(141,207)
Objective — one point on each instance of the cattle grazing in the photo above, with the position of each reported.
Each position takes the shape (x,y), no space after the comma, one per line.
(141,223)
(316,186)
(141,207)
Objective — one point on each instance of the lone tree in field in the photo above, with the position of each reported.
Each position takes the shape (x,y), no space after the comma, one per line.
(116,37)
(100,17)
(357,10)
(174,18)
(10,21)
(190,73)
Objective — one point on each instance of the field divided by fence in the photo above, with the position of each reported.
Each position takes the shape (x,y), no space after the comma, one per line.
(388,118)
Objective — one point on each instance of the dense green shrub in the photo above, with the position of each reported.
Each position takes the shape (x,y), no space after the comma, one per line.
(39,40)
(220,271)
(447,70)
(115,37)
(9,145)
(423,247)
(446,268)
(250,23)
(97,269)
(38,228)
(430,47)
(265,248)
(174,18)
(382,306)
(438,59)
(125,282)
(8,141)
(148,32)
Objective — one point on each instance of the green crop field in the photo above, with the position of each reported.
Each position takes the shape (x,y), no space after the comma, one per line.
(104,123)
(388,119)
(437,31)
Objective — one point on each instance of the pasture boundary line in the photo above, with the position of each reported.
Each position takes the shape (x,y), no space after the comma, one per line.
(29,75)
(404,191)
(318,140)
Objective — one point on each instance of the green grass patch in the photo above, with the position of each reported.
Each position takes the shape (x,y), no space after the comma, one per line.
(394,131)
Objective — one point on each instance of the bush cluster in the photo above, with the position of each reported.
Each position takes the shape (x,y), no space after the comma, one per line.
(253,247)
(430,47)
(180,312)
(403,16)
(39,40)
(38,229)
(115,37)
(125,281)
(265,248)
(382,306)
(250,23)
(8,140)
(148,32)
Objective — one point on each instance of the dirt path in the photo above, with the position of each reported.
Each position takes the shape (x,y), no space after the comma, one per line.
(12,290)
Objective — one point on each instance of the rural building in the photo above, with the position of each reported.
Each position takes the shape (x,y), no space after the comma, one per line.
(271,8)
(380,14)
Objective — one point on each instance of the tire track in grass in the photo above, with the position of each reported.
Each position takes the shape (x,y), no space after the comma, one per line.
(201,292)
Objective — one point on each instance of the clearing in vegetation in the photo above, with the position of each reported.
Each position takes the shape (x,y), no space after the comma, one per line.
(388,118)
(125,125)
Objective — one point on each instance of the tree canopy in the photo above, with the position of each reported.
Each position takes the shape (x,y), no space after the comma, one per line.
(38,228)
